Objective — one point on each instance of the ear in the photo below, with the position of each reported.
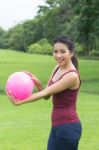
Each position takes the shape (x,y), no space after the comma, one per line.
(72,54)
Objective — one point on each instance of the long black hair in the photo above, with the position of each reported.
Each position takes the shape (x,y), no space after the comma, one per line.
(69,43)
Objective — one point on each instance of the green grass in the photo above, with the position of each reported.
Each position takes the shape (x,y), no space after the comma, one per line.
(90,76)
(11,61)
(88,109)
(27,127)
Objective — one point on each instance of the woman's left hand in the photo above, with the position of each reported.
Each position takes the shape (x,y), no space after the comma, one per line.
(36,81)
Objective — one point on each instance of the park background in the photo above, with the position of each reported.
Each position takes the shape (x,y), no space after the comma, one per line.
(28,46)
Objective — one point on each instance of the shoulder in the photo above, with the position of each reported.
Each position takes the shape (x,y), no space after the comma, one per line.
(71,75)
(72,79)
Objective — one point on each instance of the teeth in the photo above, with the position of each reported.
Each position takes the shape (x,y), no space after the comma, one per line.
(60,60)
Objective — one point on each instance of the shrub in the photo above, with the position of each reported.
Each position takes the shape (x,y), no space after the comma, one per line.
(79,49)
(41,47)
(34,48)
(94,53)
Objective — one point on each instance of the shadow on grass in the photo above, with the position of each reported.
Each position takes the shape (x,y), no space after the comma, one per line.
(2,92)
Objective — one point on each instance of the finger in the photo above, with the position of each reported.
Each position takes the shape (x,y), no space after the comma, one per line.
(10,96)
(7,93)
(30,74)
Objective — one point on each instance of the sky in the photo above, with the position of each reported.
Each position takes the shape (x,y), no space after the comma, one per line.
(13,12)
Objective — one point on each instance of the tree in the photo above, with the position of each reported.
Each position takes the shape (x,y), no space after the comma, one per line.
(87,25)
(55,15)
(2,34)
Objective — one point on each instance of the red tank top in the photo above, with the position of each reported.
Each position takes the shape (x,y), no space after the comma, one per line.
(64,104)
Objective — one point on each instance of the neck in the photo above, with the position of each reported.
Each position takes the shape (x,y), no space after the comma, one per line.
(67,67)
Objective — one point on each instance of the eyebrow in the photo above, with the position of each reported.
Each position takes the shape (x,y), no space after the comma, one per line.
(63,49)
(60,49)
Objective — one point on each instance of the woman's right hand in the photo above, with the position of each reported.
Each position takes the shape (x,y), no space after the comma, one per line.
(12,98)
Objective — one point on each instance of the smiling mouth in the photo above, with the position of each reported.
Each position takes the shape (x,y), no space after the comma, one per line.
(59,61)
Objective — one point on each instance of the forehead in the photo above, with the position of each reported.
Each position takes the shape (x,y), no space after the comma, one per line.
(60,45)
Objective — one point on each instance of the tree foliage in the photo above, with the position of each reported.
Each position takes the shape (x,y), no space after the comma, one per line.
(76,18)
(88,25)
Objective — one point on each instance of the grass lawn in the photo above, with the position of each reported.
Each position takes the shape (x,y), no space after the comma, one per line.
(88,108)
(12,61)
(27,127)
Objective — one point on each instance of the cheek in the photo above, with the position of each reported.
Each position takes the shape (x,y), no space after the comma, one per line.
(67,57)
(54,56)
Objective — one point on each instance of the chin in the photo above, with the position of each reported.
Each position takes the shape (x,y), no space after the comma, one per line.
(60,64)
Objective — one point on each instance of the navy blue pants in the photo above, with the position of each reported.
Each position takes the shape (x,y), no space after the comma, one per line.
(65,137)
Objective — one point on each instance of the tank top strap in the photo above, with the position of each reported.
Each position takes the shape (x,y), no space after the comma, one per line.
(72,70)
(55,71)
(69,72)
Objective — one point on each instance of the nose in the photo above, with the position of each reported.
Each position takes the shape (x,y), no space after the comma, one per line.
(59,55)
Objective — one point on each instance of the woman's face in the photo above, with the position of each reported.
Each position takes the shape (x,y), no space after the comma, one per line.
(62,54)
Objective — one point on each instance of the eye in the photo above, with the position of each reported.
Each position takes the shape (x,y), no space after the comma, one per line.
(63,51)
(54,51)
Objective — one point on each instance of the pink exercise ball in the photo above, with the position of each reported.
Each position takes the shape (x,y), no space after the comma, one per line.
(20,85)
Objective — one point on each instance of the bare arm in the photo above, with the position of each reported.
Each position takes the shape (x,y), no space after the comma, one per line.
(68,81)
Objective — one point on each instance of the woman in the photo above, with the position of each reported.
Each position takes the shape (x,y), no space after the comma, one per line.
(63,85)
